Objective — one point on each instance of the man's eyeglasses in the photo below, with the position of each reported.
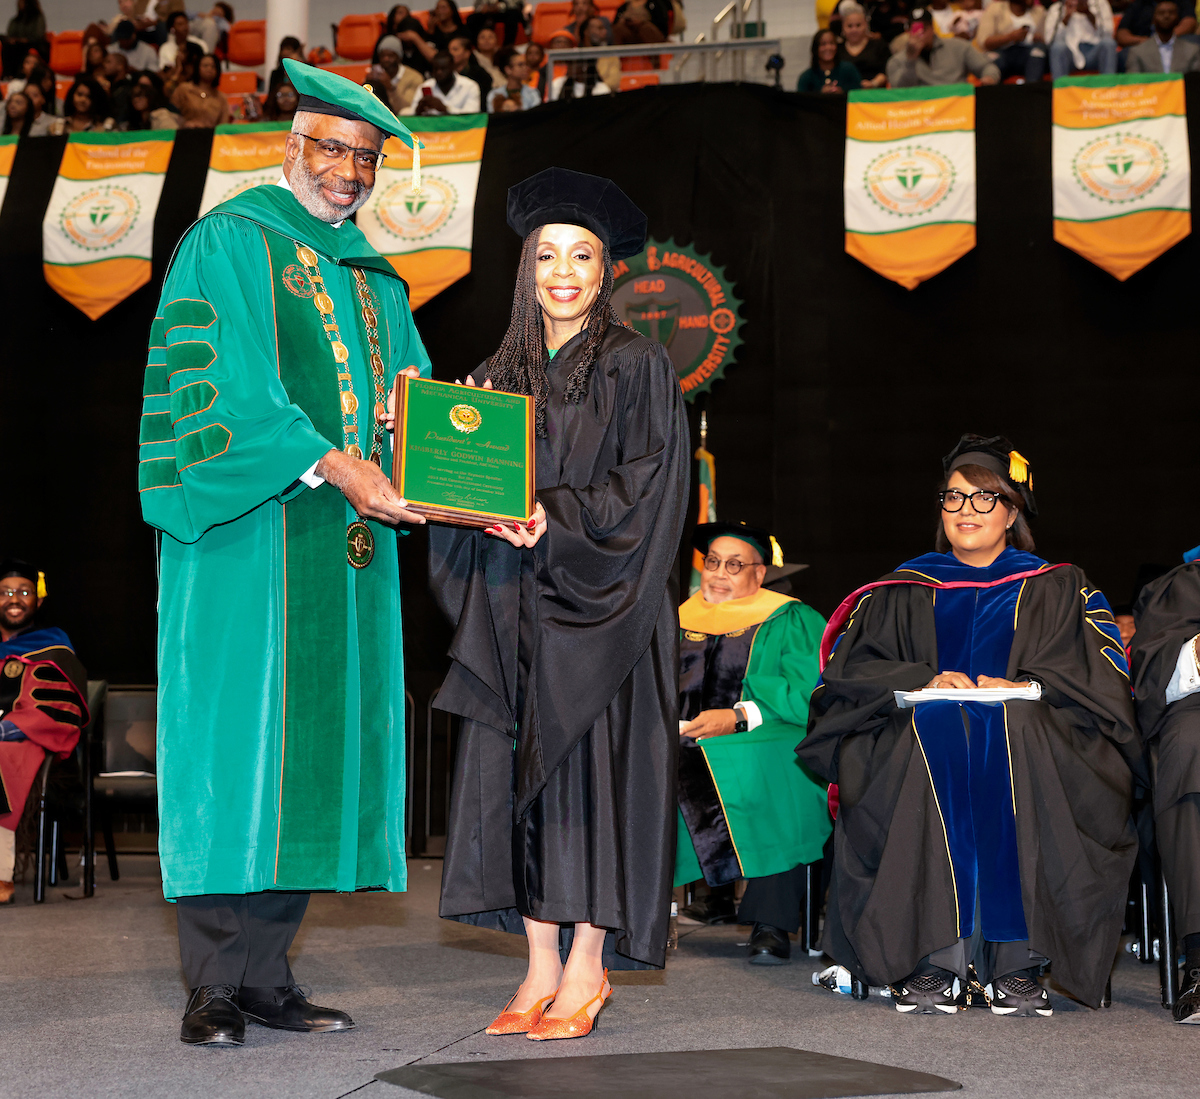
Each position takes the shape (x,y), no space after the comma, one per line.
(732,564)
(981,502)
(9,593)
(334,152)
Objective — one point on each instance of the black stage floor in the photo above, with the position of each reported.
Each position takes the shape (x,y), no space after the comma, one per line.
(90,998)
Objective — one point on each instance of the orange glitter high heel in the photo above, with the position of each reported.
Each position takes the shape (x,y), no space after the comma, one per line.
(520,1022)
(579,1025)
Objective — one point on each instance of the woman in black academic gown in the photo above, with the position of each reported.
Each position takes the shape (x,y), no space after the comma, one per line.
(567,635)
(992,835)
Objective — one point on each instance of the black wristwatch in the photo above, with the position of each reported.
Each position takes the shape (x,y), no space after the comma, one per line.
(741,725)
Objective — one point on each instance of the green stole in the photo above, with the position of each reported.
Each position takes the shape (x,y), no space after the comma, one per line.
(336,662)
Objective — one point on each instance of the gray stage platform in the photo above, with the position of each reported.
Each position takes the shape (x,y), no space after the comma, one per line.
(90,998)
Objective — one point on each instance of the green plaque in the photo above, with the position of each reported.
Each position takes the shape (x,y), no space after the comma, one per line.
(462,454)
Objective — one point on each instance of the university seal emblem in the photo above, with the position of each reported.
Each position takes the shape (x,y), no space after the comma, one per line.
(678,297)
(100,217)
(295,278)
(465,417)
(416,217)
(909,181)
(1120,167)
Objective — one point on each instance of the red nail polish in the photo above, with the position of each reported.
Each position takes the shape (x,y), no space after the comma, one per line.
(531,524)
(516,526)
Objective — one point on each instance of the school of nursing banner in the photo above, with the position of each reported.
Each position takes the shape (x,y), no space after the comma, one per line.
(426,237)
(910,179)
(1122,181)
(98,230)
(8,152)
(243,156)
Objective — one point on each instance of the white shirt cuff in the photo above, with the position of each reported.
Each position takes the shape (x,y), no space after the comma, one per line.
(1186,679)
(311,477)
(753,714)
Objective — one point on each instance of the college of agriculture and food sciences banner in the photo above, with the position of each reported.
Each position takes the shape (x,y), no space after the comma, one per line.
(426,237)
(99,227)
(1122,181)
(8,152)
(243,157)
(910,179)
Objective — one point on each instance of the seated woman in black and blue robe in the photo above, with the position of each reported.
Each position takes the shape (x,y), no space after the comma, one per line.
(978,840)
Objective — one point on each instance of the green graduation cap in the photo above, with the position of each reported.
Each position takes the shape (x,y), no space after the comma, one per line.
(324,92)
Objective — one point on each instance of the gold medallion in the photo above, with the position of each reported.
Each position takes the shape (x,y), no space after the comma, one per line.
(693,635)
(349,403)
(737,633)
(368,315)
(306,256)
(380,411)
(354,450)
(360,544)
(323,302)
(13,669)
(339,351)
(376,362)
(465,417)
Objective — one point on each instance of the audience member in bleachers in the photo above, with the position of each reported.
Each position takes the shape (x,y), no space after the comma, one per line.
(969,834)
(943,17)
(886,18)
(1164,50)
(405,26)
(486,44)
(94,54)
(828,72)
(148,108)
(28,63)
(18,114)
(965,23)
(581,12)
(444,24)
(1137,22)
(658,11)
(535,61)
(212,28)
(43,121)
(513,94)
(445,92)
(868,55)
(180,36)
(399,81)
(282,103)
(597,32)
(509,13)
(140,55)
(183,71)
(925,59)
(635,25)
(1010,33)
(289,47)
(86,109)
(26,31)
(117,82)
(43,78)
(200,103)
(580,81)
(43,700)
(462,57)
(139,14)
(1079,35)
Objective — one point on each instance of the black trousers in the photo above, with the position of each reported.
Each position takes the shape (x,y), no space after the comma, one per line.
(238,939)
(1178,831)
(775,900)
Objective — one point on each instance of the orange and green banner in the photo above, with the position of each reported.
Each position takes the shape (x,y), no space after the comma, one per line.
(426,237)
(1121,166)
(243,157)
(706,489)
(99,227)
(909,189)
(8,153)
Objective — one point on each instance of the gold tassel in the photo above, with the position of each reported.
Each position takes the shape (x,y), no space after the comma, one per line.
(1018,468)
(776,553)
(41,587)
(416,169)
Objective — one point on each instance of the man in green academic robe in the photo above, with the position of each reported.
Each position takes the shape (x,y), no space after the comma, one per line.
(749,809)
(281,698)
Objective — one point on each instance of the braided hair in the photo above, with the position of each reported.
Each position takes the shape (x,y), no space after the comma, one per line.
(519,363)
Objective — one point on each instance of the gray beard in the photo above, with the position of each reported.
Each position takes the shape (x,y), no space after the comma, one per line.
(307,189)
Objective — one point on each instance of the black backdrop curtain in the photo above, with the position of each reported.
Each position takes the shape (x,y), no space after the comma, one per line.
(829,427)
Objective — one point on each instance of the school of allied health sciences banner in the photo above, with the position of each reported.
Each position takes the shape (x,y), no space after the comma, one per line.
(910,179)
(1122,175)
(98,231)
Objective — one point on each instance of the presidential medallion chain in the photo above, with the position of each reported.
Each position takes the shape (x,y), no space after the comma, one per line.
(360,542)
(371,321)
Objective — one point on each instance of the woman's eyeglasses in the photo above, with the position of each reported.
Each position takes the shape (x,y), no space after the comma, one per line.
(981,502)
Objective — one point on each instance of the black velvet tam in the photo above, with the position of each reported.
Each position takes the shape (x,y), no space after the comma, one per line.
(995,452)
(14,566)
(559,196)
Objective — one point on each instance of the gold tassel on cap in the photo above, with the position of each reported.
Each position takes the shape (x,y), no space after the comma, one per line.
(776,553)
(1018,468)
(41,585)
(416,171)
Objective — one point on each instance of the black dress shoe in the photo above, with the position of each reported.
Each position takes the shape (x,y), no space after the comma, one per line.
(212,1018)
(715,908)
(769,945)
(1187,1005)
(287,1009)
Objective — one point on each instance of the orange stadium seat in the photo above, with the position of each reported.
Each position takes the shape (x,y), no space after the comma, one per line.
(548,17)
(248,42)
(357,73)
(66,52)
(632,81)
(239,83)
(356,36)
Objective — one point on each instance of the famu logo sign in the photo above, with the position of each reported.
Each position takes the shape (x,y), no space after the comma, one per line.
(674,295)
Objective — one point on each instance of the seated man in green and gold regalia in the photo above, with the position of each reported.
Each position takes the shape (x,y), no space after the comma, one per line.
(748,662)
